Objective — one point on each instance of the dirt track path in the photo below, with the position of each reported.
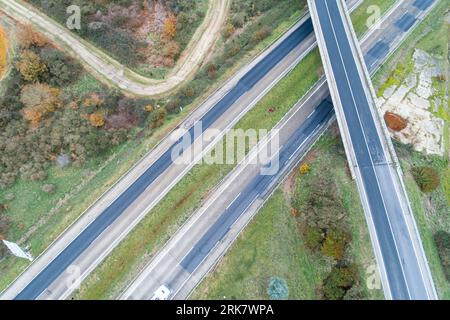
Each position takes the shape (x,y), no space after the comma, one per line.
(111,71)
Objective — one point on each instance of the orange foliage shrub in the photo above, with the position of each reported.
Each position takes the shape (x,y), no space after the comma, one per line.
(30,65)
(170,27)
(93,100)
(3,51)
(33,115)
(97,120)
(29,37)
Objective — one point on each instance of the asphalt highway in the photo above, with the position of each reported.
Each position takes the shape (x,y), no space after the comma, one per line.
(257,187)
(220,217)
(406,278)
(201,243)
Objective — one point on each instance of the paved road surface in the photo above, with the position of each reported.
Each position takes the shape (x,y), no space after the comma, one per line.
(202,242)
(381,191)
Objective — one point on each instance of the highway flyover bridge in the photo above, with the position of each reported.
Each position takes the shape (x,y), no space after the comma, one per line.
(398,249)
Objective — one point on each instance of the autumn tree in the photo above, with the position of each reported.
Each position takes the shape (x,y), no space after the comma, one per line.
(426,178)
(39,99)
(170,27)
(97,120)
(33,115)
(41,96)
(31,66)
(93,100)
(28,37)
(157,118)
(3,51)
(335,244)
(228,31)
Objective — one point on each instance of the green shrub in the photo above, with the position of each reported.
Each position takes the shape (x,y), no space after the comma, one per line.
(426,178)
(238,19)
(313,237)
(261,34)
(335,244)
(340,280)
(442,240)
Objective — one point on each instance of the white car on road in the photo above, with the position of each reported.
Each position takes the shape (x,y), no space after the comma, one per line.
(162,293)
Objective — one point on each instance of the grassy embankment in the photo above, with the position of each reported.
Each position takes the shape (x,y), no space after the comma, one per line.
(238,275)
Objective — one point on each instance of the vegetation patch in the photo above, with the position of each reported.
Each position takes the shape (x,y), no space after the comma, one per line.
(3,52)
(431,209)
(426,178)
(366,14)
(442,239)
(395,122)
(147,36)
(189,193)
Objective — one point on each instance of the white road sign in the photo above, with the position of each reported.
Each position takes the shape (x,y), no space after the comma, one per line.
(17,251)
